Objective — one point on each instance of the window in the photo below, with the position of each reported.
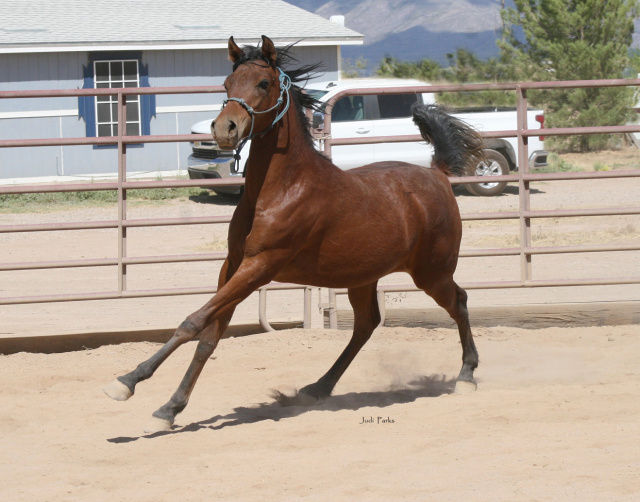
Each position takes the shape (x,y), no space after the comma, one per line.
(114,70)
(112,75)
(374,107)
(347,109)
(393,106)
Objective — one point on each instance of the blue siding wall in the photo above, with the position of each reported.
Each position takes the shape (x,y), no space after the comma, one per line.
(60,118)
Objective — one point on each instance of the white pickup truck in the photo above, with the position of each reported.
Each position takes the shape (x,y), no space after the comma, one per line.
(385,115)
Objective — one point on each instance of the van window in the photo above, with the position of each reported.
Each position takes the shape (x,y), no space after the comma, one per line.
(394,106)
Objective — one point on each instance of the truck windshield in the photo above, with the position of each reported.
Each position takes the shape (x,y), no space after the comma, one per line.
(315,93)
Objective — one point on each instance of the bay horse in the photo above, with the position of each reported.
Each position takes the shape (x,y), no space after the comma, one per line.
(303,220)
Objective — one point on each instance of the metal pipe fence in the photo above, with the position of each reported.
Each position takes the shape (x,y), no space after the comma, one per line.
(524,215)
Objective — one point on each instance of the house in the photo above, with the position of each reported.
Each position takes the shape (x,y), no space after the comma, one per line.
(70,44)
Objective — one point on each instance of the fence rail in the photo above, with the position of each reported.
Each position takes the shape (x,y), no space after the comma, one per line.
(524,178)
(524,214)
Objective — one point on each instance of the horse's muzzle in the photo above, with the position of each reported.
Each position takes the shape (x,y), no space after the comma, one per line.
(225,133)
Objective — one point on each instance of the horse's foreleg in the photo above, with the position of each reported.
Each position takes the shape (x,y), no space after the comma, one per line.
(366,315)
(211,320)
(164,417)
(124,386)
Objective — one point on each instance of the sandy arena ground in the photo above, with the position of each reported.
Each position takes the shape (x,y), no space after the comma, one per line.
(555,416)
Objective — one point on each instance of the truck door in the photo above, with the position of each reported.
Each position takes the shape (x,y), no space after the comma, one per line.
(349,120)
(393,118)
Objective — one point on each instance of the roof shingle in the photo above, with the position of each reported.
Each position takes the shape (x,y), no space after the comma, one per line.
(32,24)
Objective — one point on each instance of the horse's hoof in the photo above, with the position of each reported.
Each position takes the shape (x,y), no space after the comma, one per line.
(118,391)
(465,387)
(304,399)
(300,398)
(158,425)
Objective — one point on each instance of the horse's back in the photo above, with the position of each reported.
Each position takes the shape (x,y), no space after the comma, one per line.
(397,173)
(395,182)
(394,208)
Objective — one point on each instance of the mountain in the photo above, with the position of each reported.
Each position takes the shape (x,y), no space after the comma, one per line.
(411,30)
(414,30)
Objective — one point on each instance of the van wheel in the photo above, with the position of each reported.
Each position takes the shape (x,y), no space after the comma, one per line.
(494,164)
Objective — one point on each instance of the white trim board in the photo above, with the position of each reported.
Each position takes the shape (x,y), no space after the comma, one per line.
(167,46)
(39,113)
(74,113)
(90,177)
(188,108)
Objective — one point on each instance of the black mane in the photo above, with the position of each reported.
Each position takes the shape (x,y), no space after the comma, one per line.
(301,100)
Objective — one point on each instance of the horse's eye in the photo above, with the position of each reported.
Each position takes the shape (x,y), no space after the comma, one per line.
(264,84)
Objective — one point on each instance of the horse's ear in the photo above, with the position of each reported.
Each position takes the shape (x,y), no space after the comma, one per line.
(235,52)
(269,51)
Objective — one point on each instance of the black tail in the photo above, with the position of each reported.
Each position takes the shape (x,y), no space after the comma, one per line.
(455,143)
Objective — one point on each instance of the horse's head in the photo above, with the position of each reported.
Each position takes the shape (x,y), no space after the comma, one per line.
(254,95)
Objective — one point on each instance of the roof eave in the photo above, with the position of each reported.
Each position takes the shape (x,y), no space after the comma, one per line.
(171,45)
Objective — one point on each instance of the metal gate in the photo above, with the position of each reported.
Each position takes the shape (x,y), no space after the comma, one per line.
(524,215)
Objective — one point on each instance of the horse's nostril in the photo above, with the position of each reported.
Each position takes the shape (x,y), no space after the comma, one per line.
(232,125)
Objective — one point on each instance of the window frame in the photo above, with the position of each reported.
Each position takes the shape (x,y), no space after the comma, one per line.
(371,106)
(110,98)
(377,115)
(87,109)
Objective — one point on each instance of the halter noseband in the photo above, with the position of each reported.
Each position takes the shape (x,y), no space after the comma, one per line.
(285,85)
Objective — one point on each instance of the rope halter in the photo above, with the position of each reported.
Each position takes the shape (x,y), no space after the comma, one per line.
(285,85)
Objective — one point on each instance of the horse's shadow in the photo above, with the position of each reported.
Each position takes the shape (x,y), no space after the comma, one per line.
(459,190)
(210,197)
(426,386)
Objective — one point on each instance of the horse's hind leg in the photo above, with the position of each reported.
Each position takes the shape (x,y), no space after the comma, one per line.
(453,299)
(366,318)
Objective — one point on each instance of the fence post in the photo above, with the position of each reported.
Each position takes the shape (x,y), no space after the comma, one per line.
(122,193)
(523,186)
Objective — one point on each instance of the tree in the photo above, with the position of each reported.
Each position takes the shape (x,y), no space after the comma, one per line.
(427,70)
(573,40)
(464,67)
(354,68)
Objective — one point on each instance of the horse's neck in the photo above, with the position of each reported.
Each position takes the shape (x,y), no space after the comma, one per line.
(276,157)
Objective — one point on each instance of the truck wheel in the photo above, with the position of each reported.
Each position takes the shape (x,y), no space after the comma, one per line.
(494,165)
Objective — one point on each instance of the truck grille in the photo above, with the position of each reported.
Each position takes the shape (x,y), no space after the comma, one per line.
(207,153)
